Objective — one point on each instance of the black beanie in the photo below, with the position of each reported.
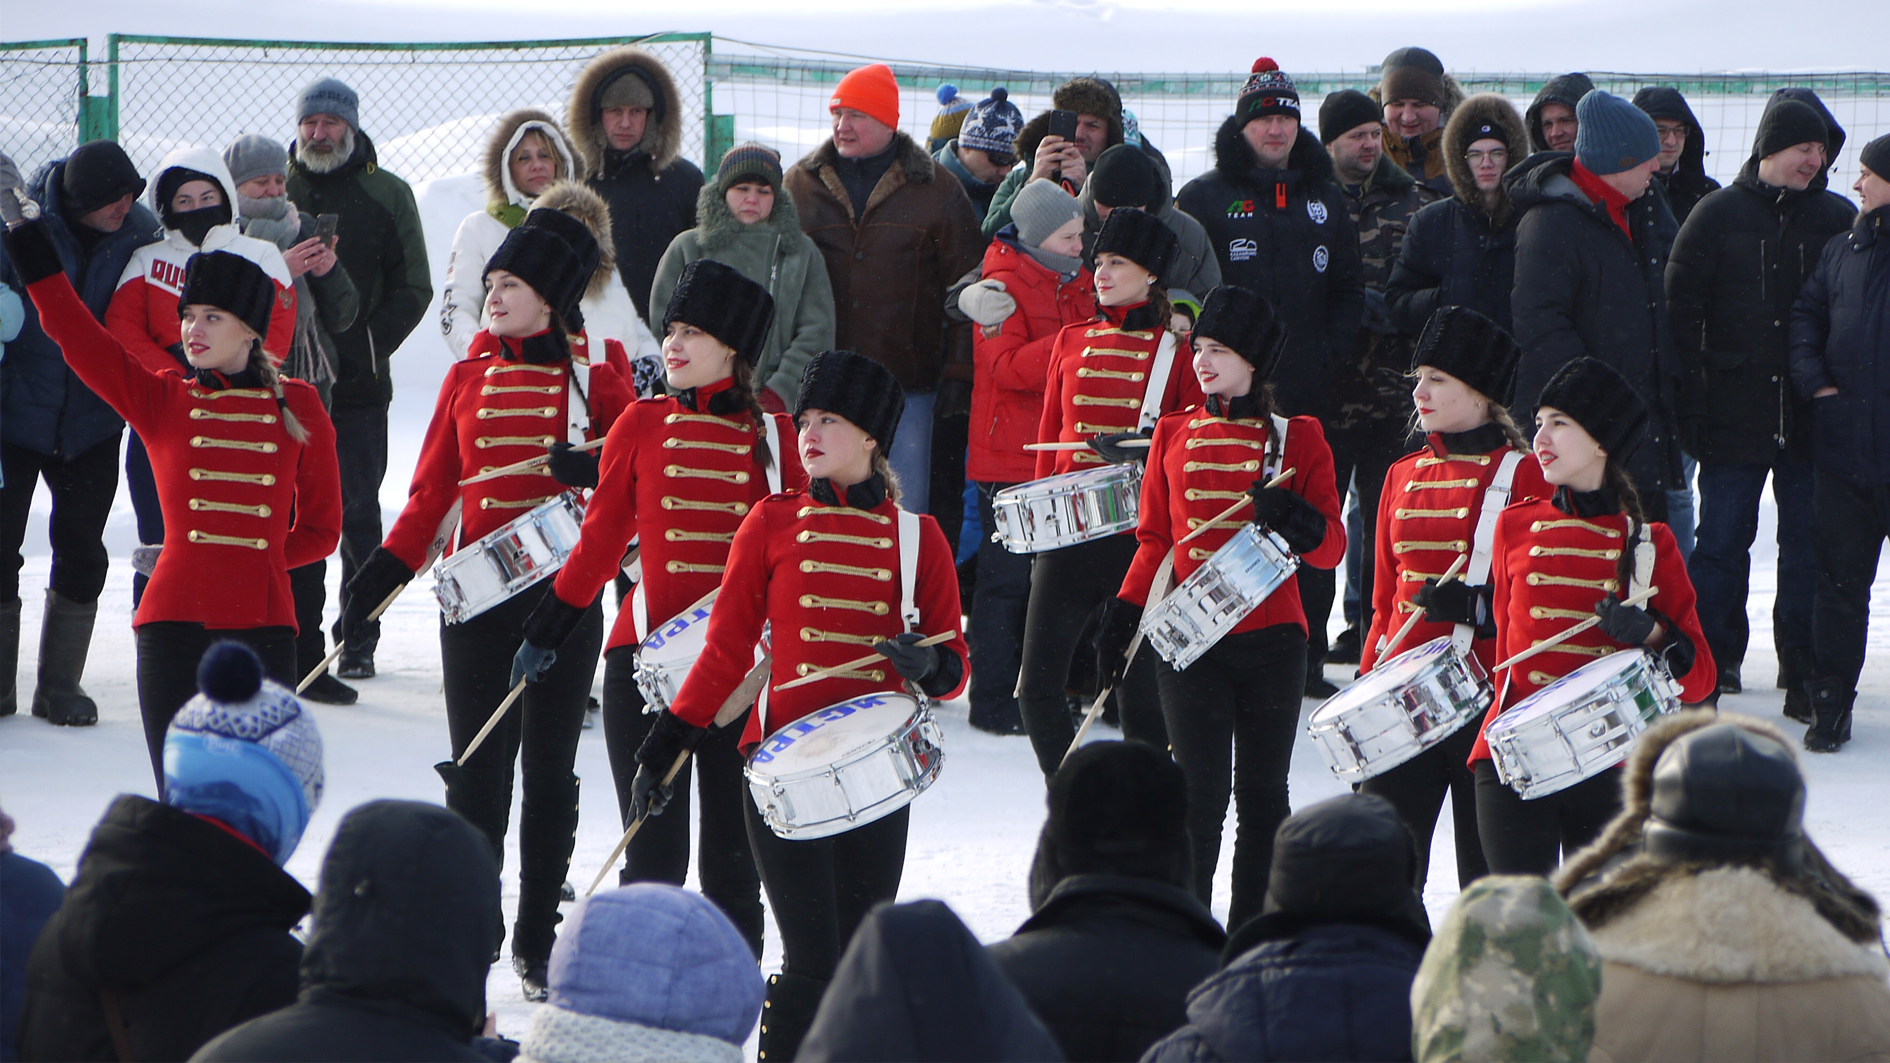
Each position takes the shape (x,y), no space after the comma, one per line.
(1139,237)
(1787,123)
(721,302)
(1346,859)
(1600,399)
(1876,156)
(96,175)
(1118,808)
(1246,323)
(1472,348)
(543,259)
(1126,177)
(1724,794)
(229,282)
(1344,111)
(858,389)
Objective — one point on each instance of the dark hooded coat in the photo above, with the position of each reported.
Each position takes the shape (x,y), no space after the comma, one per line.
(1687,184)
(1567,89)
(1287,235)
(1840,336)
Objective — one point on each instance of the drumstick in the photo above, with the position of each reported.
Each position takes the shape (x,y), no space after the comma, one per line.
(521,466)
(1080,445)
(1391,648)
(319,670)
(1231,510)
(860,662)
(491,722)
(1157,590)
(1574,630)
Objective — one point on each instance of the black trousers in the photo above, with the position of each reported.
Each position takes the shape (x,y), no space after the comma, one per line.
(540,732)
(168,652)
(1232,718)
(660,851)
(996,629)
(1416,789)
(1360,458)
(141,485)
(308,585)
(1065,586)
(1531,837)
(361,452)
(82,491)
(1851,523)
(820,889)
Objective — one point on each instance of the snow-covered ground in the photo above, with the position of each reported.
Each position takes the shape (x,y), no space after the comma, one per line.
(972,833)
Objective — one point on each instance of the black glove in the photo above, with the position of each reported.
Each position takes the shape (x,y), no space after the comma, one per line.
(1289,516)
(1625,623)
(669,738)
(1114,453)
(913,662)
(1114,631)
(1452,603)
(379,576)
(1378,313)
(532,662)
(32,253)
(573,468)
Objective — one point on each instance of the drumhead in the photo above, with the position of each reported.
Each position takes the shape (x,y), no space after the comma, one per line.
(1575,686)
(684,637)
(833,735)
(1395,674)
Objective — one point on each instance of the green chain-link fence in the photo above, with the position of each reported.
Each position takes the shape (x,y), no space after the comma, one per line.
(43,100)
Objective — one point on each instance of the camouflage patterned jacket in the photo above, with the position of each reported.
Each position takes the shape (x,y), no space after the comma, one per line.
(1373,389)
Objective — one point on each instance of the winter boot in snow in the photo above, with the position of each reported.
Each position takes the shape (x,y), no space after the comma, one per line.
(9,657)
(1831,709)
(787,1014)
(547,830)
(1795,669)
(65,637)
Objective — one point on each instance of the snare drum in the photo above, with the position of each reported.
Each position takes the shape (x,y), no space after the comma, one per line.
(1403,707)
(1216,597)
(1580,725)
(1059,511)
(527,549)
(845,765)
(663,660)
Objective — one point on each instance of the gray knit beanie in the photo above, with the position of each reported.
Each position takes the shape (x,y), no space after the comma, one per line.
(330,96)
(253,155)
(1612,135)
(1040,209)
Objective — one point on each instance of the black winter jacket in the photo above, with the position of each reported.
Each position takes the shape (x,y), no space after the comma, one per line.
(1107,962)
(1737,266)
(1453,256)
(184,924)
(405,929)
(1583,288)
(1840,338)
(1287,235)
(647,210)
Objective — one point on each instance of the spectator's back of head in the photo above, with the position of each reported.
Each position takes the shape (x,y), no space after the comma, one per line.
(1349,859)
(1125,176)
(1727,795)
(96,174)
(1116,808)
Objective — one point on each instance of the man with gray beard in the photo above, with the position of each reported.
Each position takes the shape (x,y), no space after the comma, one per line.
(380,245)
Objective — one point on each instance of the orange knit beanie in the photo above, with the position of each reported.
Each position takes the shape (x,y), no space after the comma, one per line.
(871,90)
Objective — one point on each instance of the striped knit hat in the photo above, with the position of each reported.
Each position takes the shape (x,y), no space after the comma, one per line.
(746,162)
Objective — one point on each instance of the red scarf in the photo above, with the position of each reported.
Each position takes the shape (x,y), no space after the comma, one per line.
(1598,191)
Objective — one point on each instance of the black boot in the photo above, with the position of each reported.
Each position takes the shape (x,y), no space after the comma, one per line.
(787,1014)
(9,657)
(1795,670)
(1831,709)
(1345,648)
(547,830)
(65,637)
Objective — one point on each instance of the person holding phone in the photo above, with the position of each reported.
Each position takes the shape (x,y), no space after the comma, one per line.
(1069,150)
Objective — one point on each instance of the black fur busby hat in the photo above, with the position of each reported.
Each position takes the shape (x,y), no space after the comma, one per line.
(230,282)
(1601,401)
(721,302)
(1116,808)
(1139,237)
(1246,323)
(1471,348)
(548,262)
(857,388)
(1726,794)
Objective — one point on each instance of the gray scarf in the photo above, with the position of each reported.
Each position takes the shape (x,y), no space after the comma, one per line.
(1064,266)
(276,221)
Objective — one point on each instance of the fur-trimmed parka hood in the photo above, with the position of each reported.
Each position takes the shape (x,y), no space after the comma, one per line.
(1234,158)
(1487,108)
(512,127)
(662,138)
(717,226)
(576,199)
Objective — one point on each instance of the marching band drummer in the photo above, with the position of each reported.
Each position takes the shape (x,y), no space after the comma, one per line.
(1242,696)
(1441,503)
(821,566)
(495,410)
(1105,384)
(1563,559)
(681,472)
(244,462)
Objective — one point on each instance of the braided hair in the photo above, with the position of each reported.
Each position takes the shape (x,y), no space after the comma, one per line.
(743,391)
(265,368)
(1616,478)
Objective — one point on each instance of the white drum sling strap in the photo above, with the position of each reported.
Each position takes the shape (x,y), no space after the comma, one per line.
(1157,387)
(577,415)
(1482,541)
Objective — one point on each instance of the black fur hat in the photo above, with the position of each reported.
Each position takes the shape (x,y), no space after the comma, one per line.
(1723,794)
(545,260)
(1139,237)
(721,302)
(1471,348)
(1600,399)
(857,388)
(1246,323)
(230,282)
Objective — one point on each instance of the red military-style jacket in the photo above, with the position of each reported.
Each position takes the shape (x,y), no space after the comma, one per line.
(1551,566)
(243,502)
(826,579)
(1198,465)
(1427,516)
(494,411)
(1099,371)
(682,480)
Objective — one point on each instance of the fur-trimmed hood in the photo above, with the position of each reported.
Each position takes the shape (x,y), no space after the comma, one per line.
(1453,97)
(576,199)
(662,138)
(511,129)
(1234,158)
(717,226)
(908,154)
(1486,108)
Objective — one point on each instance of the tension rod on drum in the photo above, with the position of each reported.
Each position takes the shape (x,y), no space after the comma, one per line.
(1285,475)
(528,463)
(1574,630)
(1391,648)
(859,662)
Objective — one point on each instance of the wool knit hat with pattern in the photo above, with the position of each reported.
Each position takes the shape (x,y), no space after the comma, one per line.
(1612,135)
(330,96)
(1600,399)
(858,389)
(951,113)
(720,301)
(871,90)
(1472,348)
(1412,74)
(747,162)
(1268,91)
(992,125)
